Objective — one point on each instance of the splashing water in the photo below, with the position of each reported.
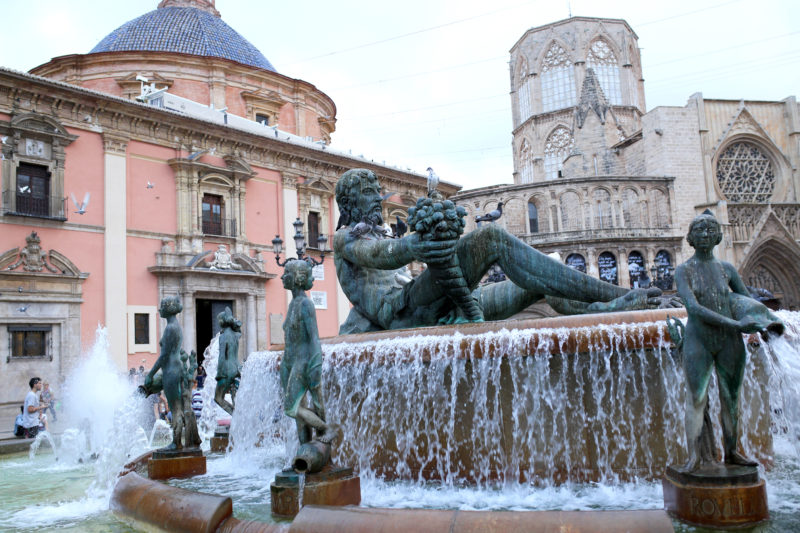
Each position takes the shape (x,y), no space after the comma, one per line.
(42,435)
(104,420)
(211,413)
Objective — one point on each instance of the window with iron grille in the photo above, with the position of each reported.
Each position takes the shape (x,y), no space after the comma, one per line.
(33,190)
(212,214)
(29,341)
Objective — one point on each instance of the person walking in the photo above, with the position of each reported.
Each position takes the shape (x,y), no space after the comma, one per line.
(31,409)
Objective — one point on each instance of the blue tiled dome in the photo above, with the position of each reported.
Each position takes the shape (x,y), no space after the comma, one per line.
(187,30)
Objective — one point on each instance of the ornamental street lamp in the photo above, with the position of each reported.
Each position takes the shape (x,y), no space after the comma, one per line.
(300,244)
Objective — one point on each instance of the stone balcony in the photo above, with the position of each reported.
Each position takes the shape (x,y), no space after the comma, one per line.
(594,235)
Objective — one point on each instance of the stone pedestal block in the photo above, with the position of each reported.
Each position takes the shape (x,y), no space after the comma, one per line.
(219,442)
(331,486)
(176,464)
(716,495)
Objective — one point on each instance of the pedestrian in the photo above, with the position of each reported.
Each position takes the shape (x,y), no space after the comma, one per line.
(163,408)
(32,411)
(19,431)
(48,398)
(197,398)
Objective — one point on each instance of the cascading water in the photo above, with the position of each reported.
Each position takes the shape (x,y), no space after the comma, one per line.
(491,411)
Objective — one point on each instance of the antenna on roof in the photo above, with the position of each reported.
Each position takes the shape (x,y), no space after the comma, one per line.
(569,8)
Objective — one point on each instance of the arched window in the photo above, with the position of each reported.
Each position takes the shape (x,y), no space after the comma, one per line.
(526,162)
(631,209)
(533,217)
(558,146)
(660,210)
(558,79)
(602,60)
(607,266)
(745,174)
(570,211)
(523,91)
(663,260)
(636,270)
(577,262)
(602,209)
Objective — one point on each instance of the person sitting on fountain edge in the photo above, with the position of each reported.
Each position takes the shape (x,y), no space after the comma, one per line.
(370,267)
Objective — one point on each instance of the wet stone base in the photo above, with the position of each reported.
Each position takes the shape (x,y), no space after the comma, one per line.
(219,442)
(176,464)
(332,486)
(716,496)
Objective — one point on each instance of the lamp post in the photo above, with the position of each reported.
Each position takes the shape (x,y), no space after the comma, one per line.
(300,244)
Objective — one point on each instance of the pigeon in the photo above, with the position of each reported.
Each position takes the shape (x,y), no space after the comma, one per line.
(386,196)
(25,189)
(491,216)
(433,181)
(23,309)
(150,185)
(196,155)
(402,228)
(81,208)
(362,228)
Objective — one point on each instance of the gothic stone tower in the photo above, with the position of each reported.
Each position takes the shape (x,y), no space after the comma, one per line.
(562,74)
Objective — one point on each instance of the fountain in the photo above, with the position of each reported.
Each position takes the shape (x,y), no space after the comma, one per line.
(465,424)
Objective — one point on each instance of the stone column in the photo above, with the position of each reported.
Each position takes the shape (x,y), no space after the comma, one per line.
(623,275)
(251,336)
(115,247)
(188,321)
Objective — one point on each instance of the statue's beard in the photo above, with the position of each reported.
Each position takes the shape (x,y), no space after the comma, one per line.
(375,219)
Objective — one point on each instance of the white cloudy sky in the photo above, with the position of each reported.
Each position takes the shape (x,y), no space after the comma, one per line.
(426,83)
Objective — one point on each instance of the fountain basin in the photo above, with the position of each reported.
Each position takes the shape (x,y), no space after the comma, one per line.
(564,399)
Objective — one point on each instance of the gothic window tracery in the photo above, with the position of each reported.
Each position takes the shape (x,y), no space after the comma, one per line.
(524,91)
(603,61)
(558,79)
(526,159)
(745,174)
(558,146)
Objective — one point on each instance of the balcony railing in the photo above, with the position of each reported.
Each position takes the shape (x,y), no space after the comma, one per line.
(224,227)
(595,234)
(29,206)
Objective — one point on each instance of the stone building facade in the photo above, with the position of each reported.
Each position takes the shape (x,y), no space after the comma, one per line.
(119,191)
(612,187)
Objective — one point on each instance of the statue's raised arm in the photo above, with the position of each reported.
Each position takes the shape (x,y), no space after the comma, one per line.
(370,268)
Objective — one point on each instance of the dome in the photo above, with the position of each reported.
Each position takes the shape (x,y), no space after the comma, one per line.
(187,30)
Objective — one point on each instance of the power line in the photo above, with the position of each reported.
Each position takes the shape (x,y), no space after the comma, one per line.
(679,15)
(438,106)
(409,34)
(417,74)
(723,49)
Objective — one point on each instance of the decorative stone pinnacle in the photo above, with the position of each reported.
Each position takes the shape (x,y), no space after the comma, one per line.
(205,5)
(592,98)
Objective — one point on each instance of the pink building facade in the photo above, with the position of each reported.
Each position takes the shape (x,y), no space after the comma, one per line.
(184,191)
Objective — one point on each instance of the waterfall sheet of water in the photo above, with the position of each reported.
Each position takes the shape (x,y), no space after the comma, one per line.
(440,408)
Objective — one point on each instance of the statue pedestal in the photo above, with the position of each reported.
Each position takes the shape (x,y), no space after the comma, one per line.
(332,486)
(716,495)
(219,442)
(186,462)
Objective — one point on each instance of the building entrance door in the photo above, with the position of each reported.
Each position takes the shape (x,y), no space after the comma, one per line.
(206,324)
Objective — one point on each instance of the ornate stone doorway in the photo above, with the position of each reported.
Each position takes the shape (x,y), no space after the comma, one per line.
(206,325)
